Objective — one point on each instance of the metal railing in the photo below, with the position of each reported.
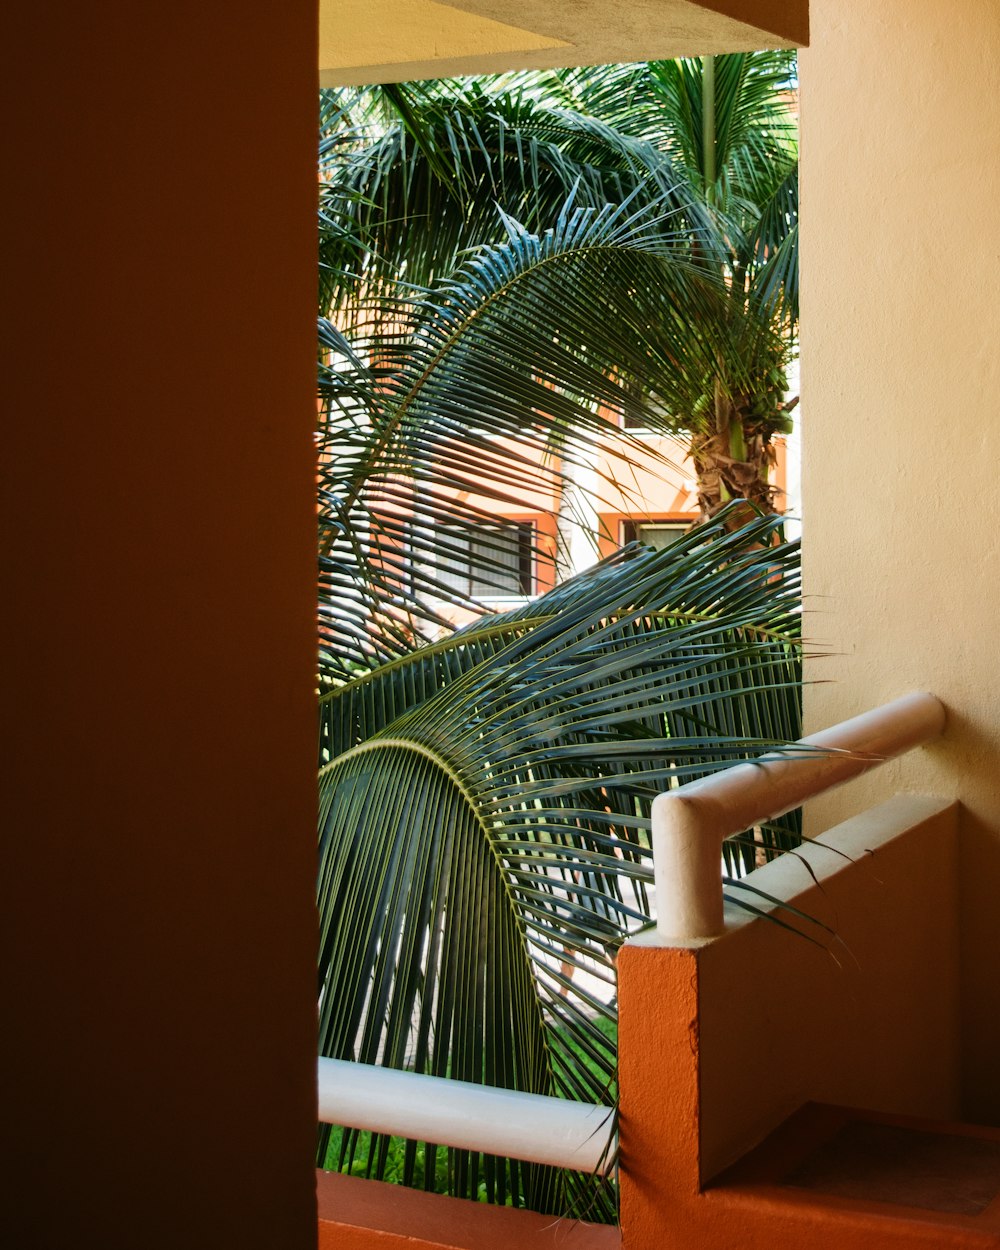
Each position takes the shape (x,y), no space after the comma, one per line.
(691,822)
(471,1117)
(689,825)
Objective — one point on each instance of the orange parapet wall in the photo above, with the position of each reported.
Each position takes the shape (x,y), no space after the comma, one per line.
(356,1214)
(723,1042)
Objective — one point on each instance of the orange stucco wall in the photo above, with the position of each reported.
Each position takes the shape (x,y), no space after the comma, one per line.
(867,1018)
(657,482)
(720,1041)
(355,1214)
(158,869)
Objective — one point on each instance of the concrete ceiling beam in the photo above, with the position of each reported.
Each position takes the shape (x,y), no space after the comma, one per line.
(366,41)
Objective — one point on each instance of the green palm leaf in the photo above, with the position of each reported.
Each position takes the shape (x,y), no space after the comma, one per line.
(485,823)
(428,187)
(543,342)
(510,270)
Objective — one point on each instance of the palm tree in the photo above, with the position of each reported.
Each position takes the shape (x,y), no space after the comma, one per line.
(726,121)
(484,828)
(486,790)
(710,144)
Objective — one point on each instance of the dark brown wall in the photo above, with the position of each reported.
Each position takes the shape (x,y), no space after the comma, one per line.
(157,380)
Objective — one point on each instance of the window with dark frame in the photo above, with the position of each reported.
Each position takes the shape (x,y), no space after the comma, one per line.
(487,560)
(655,534)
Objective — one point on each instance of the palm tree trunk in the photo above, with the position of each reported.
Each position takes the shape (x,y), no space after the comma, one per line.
(733,459)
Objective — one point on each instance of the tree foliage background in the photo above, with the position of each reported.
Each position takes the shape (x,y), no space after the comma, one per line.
(510,269)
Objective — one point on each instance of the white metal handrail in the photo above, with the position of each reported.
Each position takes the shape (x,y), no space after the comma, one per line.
(689,826)
(471,1117)
(691,822)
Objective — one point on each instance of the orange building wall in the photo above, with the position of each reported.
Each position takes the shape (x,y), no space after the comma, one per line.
(159,529)
(660,485)
(719,1041)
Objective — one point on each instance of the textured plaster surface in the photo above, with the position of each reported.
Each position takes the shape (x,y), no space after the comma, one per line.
(863,1010)
(900,114)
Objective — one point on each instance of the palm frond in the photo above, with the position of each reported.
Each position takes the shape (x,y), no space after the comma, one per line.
(773,252)
(504,374)
(485,821)
(511,270)
(427,189)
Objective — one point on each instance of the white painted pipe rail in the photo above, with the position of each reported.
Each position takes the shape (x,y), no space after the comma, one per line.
(690,823)
(472,1117)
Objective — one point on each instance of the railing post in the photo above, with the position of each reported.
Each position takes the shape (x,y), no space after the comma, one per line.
(686,856)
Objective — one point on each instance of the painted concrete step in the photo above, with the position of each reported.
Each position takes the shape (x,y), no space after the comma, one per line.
(849,1160)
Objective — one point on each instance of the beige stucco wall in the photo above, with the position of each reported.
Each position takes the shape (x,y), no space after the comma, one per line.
(900,378)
